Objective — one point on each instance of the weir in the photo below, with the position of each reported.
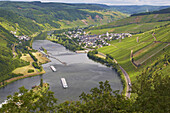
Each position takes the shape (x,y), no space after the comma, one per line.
(49,55)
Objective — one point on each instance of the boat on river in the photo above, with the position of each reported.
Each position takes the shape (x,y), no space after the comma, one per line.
(64,83)
(53,68)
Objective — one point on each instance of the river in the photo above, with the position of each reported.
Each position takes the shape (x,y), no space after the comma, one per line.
(81,74)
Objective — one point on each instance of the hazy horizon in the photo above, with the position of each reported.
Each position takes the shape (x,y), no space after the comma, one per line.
(107,2)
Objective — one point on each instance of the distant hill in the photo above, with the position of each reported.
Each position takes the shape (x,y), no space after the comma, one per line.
(134,9)
(163,11)
(31,17)
(37,15)
(140,21)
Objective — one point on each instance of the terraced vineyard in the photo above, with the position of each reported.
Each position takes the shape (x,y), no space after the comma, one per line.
(143,51)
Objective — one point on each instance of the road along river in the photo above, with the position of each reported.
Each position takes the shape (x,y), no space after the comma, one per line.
(81,74)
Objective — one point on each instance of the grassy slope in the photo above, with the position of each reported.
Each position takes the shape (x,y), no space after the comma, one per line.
(121,50)
(12,21)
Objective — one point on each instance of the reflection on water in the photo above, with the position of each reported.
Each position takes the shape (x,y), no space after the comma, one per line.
(81,74)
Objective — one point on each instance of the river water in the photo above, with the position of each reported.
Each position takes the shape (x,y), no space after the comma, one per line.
(81,74)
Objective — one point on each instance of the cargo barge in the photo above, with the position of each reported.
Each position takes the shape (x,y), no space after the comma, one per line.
(64,83)
(53,68)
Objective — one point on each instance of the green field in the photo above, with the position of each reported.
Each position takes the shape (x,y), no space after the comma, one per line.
(121,50)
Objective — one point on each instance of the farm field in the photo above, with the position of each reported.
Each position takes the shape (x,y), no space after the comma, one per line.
(27,57)
(41,58)
(24,70)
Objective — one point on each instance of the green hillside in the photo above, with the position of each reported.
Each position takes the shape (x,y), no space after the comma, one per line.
(7,39)
(132,28)
(145,51)
(137,20)
(12,22)
(136,23)
(7,62)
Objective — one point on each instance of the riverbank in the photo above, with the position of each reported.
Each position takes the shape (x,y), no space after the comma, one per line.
(66,42)
(103,59)
(123,75)
(25,70)
(41,59)
(20,77)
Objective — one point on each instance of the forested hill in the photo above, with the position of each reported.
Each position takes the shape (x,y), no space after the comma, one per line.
(139,19)
(7,62)
(9,44)
(163,11)
(134,9)
(6,37)
(12,21)
(37,15)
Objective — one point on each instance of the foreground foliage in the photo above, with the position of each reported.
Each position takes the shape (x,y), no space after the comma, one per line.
(151,87)
(29,101)
(153,96)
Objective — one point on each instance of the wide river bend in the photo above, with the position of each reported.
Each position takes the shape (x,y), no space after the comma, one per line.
(81,74)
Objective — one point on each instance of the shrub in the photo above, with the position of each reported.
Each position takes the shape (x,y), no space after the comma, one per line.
(30,70)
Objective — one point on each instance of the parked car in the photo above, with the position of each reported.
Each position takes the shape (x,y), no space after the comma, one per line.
(129,84)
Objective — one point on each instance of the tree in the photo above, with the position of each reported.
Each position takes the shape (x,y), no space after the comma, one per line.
(41,82)
(30,101)
(153,93)
(153,96)
(100,100)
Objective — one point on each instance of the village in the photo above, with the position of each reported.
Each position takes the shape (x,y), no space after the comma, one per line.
(84,39)
(94,41)
(24,37)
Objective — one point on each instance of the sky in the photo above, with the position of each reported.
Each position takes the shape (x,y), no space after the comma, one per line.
(109,2)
